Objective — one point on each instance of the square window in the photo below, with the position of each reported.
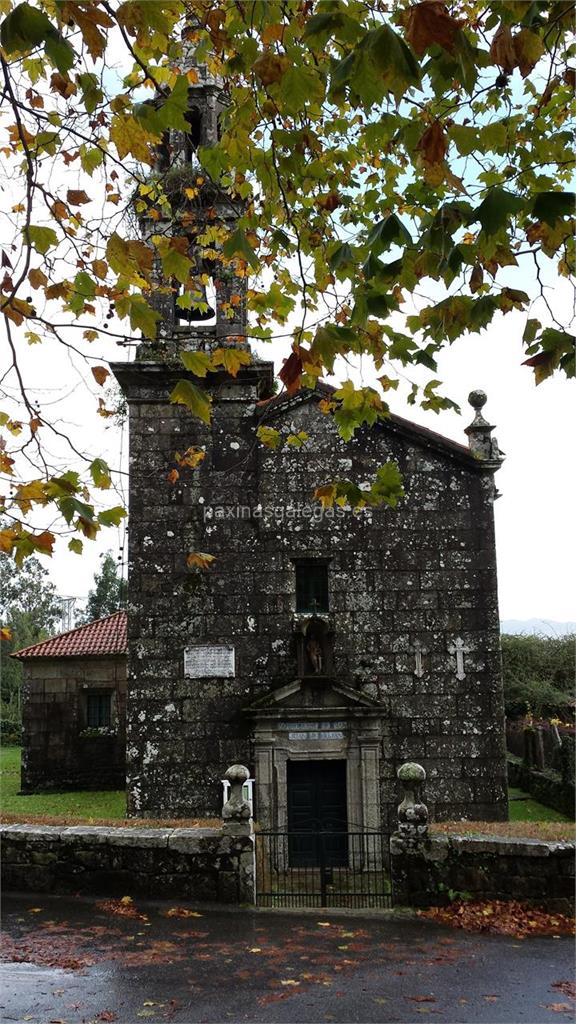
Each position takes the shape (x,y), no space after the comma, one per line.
(98,709)
(311,587)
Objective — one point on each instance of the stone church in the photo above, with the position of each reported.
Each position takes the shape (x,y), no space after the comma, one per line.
(321,647)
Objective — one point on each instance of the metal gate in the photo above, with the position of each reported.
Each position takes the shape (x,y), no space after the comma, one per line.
(322,869)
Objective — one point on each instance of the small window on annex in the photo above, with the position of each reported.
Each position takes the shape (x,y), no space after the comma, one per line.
(311,585)
(98,709)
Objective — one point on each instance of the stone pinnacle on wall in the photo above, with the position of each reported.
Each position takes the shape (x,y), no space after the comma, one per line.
(480,441)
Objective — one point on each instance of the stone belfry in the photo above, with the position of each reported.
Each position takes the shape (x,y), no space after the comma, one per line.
(210,308)
(186,656)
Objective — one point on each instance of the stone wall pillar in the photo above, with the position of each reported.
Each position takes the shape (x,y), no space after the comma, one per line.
(412,871)
(237,824)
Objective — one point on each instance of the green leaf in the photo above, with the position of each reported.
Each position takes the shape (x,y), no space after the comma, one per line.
(172,113)
(59,51)
(329,341)
(92,94)
(24,28)
(199,403)
(142,316)
(297,440)
(394,60)
(492,136)
(76,546)
(531,330)
(198,363)
(90,159)
(213,160)
(268,436)
(41,238)
(300,86)
(324,25)
(112,516)
(238,245)
(465,137)
(386,232)
(174,255)
(551,206)
(71,507)
(497,208)
(100,473)
(387,488)
(341,257)
(84,290)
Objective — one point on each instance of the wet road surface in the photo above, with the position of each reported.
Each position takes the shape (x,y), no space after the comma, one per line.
(74,961)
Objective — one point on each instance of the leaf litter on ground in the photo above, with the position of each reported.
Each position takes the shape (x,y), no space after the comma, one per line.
(123,907)
(502,917)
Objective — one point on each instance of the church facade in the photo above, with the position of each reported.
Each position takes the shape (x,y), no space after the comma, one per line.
(322,647)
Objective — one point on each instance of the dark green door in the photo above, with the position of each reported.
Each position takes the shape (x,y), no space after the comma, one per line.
(317,815)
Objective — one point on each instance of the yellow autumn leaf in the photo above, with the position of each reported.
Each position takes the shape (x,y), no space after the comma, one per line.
(37,278)
(100,268)
(192,457)
(26,494)
(129,137)
(199,560)
(231,359)
(100,373)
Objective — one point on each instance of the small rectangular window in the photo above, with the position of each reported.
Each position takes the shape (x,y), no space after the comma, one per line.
(311,586)
(98,709)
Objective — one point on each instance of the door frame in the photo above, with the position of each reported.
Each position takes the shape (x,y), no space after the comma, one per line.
(360,748)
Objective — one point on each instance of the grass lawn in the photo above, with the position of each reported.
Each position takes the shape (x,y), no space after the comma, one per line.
(524,808)
(102,807)
(85,805)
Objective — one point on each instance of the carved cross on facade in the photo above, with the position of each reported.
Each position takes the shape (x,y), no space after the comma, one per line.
(418,666)
(458,648)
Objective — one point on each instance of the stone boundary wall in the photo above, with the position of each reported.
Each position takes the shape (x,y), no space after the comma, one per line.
(546,786)
(435,870)
(193,863)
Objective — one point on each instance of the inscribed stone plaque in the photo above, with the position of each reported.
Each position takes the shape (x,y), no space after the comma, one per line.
(205,662)
(323,735)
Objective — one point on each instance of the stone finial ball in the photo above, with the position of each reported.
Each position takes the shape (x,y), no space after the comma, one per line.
(237,773)
(411,772)
(477,399)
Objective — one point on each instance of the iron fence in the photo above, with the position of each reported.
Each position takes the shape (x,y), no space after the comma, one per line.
(322,869)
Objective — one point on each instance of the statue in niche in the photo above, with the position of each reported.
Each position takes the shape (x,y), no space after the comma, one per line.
(314,652)
(315,648)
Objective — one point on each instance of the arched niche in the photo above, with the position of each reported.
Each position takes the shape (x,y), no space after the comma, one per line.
(315,648)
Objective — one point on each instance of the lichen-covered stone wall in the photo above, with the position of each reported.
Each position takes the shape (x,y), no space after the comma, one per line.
(434,871)
(199,864)
(59,751)
(421,574)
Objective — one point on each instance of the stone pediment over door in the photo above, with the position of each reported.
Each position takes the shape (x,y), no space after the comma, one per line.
(313,720)
(305,694)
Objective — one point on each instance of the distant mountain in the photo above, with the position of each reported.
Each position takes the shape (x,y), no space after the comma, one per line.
(531,627)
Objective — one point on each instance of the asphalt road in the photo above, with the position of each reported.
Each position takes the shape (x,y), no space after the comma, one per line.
(73,961)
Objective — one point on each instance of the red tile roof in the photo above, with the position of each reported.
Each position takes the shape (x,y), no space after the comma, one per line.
(104,636)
